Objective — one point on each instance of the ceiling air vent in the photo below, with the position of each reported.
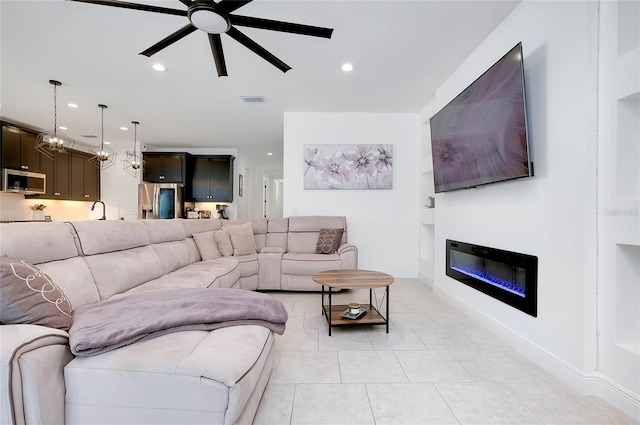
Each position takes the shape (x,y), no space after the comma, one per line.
(89,136)
(252,99)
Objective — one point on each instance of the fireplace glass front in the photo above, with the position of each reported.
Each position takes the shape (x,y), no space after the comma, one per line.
(508,276)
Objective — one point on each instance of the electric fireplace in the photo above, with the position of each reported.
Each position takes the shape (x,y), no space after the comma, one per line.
(508,276)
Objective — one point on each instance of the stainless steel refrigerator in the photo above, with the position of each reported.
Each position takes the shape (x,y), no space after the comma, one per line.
(160,201)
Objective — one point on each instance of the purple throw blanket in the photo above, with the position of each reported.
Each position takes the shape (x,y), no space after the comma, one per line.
(114,323)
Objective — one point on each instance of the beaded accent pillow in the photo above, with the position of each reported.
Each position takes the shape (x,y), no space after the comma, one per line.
(29,296)
(329,241)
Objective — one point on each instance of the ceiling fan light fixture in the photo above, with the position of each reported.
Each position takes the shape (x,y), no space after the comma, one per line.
(205,18)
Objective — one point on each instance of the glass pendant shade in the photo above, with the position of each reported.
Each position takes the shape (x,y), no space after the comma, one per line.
(134,163)
(52,142)
(103,156)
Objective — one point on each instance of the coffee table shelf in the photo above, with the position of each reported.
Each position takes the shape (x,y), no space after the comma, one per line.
(353,279)
(371,317)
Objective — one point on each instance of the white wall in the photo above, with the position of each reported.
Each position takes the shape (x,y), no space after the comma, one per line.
(380,222)
(552,215)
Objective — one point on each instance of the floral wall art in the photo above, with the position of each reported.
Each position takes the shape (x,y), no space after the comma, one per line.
(355,167)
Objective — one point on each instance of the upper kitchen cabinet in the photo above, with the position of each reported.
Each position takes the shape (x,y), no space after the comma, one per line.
(166,167)
(58,173)
(18,149)
(85,178)
(213,178)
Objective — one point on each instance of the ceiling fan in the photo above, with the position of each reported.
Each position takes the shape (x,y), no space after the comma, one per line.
(216,18)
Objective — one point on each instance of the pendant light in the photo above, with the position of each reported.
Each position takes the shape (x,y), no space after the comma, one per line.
(52,142)
(134,164)
(103,157)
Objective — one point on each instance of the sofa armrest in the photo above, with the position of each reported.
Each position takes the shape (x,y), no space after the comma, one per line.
(272,250)
(349,255)
(32,374)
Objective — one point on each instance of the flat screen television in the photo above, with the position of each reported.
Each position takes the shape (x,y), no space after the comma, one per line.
(480,137)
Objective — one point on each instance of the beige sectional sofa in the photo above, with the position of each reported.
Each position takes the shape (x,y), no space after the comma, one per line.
(185,377)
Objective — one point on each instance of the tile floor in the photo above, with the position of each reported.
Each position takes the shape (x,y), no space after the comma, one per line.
(436,366)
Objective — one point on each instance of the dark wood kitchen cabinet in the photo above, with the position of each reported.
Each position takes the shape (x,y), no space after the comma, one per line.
(18,149)
(166,167)
(85,178)
(58,173)
(212,178)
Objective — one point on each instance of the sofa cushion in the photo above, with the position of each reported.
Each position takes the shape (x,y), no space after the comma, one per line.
(192,377)
(315,223)
(242,239)
(98,236)
(39,242)
(192,226)
(177,254)
(164,230)
(226,269)
(329,241)
(303,231)
(248,264)
(116,272)
(207,245)
(224,243)
(309,264)
(74,278)
(28,295)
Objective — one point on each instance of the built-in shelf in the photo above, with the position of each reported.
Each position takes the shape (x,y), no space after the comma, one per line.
(628,150)
(627,264)
(627,71)
(628,26)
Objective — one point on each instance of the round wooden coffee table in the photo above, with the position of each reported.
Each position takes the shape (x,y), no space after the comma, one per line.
(354,279)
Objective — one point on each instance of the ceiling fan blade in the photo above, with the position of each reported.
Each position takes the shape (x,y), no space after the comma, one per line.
(136,6)
(228,6)
(257,49)
(268,24)
(182,32)
(185,2)
(218,55)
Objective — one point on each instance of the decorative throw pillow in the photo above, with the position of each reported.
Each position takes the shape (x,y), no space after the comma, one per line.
(242,239)
(28,295)
(329,241)
(207,245)
(224,242)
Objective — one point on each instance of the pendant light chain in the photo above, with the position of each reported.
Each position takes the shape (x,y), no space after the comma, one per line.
(135,136)
(134,164)
(104,157)
(102,129)
(55,111)
(52,142)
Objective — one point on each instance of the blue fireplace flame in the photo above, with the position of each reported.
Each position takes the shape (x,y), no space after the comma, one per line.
(478,272)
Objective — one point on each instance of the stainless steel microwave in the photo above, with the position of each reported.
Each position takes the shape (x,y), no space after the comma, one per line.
(26,182)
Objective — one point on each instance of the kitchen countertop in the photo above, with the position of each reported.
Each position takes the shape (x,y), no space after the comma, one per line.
(25,221)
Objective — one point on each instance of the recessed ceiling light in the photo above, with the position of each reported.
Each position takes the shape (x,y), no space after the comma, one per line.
(347,67)
(72,105)
(252,98)
(107,143)
(124,128)
(269,153)
(159,67)
(63,128)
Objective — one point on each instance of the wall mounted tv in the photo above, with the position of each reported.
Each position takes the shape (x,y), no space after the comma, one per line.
(480,137)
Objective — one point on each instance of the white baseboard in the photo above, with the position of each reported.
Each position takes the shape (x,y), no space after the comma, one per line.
(586,383)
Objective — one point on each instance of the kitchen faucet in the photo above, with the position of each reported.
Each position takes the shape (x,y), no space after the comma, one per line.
(104,217)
